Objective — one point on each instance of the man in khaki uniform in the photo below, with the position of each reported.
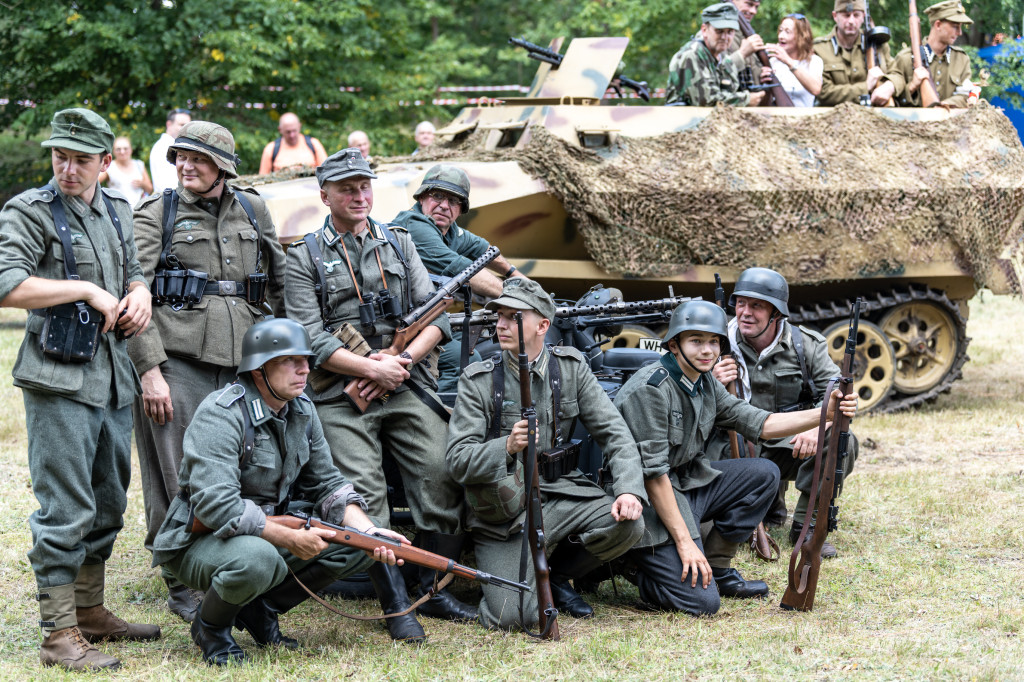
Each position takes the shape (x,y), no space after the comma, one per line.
(847,75)
(218,244)
(77,412)
(947,65)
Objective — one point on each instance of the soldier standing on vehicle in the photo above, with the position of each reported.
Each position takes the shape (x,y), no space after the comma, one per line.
(251,448)
(672,407)
(77,412)
(486,444)
(446,249)
(213,256)
(701,74)
(847,75)
(357,271)
(778,367)
(947,65)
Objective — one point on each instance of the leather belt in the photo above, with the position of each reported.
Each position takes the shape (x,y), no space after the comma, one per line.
(224,288)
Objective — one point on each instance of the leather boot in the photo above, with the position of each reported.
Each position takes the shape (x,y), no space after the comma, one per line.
(390,587)
(828,550)
(182,600)
(442,605)
(719,552)
(95,621)
(63,644)
(259,617)
(211,631)
(571,561)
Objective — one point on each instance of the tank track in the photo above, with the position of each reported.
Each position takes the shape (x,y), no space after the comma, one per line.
(874,307)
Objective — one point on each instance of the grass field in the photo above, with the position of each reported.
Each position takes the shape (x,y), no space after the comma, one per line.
(928,584)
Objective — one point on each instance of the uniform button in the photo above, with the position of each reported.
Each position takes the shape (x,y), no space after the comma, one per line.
(759,367)
(227,260)
(224,239)
(234,302)
(333,288)
(188,238)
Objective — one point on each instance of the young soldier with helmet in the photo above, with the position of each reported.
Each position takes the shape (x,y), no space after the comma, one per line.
(212,254)
(250,449)
(778,367)
(487,439)
(447,249)
(83,287)
(672,407)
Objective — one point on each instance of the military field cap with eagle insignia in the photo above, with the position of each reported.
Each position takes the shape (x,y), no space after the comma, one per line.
(949,10)
(80,130)
(348,163)
(850,6)
(520,293)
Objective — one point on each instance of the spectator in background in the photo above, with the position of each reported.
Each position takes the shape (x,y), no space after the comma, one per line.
(794,62)
(292,148)
(127,175)
(424,136)
(163,172)
(360,141)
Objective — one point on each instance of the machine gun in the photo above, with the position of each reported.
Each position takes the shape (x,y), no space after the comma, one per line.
(776,95)
(543,54)
(805,562)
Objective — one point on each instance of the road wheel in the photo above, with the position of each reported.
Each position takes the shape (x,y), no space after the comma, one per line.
(874,362)
(925,339)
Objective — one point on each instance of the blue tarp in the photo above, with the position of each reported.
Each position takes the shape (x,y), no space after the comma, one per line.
(989,54)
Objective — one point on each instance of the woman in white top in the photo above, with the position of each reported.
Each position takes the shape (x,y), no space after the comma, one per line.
(127,175)
(793,59)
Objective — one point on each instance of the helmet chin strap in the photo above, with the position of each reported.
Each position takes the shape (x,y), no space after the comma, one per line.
(775,316)
(220,177)
(270,388)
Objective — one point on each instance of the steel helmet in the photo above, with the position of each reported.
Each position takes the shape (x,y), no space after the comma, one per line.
(764,284)
(698,316)
(273,338)
(449,179)
(210,139)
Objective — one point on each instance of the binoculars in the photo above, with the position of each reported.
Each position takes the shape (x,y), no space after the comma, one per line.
(383,304)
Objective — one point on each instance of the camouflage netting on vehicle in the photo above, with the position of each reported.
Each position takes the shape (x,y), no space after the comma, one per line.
(745,188)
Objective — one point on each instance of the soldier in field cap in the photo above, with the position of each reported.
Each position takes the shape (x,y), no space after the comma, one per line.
(77,395)
(847,76)
(487,439)
(947,65)
(446,248)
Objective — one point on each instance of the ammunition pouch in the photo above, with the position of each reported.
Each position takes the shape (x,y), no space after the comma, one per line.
(558,462)
(178,288)
(71,332)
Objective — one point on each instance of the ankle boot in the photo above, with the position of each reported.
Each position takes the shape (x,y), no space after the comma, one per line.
(571,560)
(211,631)
(259,617)
(394,598)
(182,600)
(442,605)
(719,552)
(95,621)
(63,644)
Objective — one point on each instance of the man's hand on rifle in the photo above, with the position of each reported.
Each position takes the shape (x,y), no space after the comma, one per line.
(385,373)
(626,508)
(693,560)
(881,95)
(847,405)
(805,444)
(921,74)
(727,370)
(874,73)
(750,45)
(767,74)
(519,439)
(356,518)
(304,544)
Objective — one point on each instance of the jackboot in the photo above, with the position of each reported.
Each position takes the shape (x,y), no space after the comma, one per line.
(95,621)
(571,561)
(259,617)
(442,605)
(394,598)
(719,552)
(63,644)
(828,550)
(182,600)
(211,631)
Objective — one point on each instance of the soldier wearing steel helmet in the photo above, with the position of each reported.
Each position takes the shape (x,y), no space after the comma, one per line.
(671,408)
(77,413)
(212,254)
(446,248)
(250,449)
(778,366)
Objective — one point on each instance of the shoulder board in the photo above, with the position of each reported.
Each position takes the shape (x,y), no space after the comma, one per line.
(483,367)
(658,377)
(151,199)
(822,39)
(567,352)
(813,334)
(298,242)
(395,227)
(230,394)
(114,194)
(957,48)
(32,196)
(249,190)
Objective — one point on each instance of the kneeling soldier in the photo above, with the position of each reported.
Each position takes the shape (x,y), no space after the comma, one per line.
(487,439)
(250,447)
(672,408)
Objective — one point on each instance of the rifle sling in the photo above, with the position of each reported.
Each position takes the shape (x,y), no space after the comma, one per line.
(434,589)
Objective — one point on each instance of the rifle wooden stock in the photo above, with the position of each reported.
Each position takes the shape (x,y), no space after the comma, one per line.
(547,614)
(805,561)
(778,97)
(927,90)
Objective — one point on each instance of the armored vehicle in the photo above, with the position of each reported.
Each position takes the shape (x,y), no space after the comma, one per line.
(912,209)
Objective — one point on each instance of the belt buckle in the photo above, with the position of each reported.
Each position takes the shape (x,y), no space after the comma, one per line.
(227,288)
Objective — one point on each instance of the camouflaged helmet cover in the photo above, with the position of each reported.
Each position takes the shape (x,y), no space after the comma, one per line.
(210,139)
(698,316)
(501,501)
(448,179)
(273,338)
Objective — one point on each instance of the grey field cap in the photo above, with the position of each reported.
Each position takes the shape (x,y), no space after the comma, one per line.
(80,130)
(344,164)
(520,293)
(722,15)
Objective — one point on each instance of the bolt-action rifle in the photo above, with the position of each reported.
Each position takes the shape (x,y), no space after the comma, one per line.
(543,54)
(874,38)
(928,91)
(777,96)
(763,545)
(805,562)
(546,611)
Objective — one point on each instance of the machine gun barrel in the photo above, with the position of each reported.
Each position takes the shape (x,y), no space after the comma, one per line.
(534,51)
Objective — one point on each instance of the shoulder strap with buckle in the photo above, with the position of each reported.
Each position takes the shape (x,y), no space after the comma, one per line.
(806,391)
(317,256)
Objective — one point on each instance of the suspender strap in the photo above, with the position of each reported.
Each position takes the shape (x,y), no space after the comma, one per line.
(246,205)
(60,221)
(321,276)
(428,400)
(401,256)
(249,434)
(124,250)
(498,377)
(806,391)
(167,259)
(555,379)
